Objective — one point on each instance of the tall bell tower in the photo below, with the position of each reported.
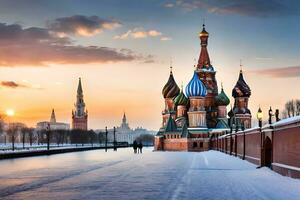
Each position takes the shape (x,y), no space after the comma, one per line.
(207,75)
(80,115)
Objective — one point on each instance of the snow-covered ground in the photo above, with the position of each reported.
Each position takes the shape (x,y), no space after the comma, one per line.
(7,148)
(151,175)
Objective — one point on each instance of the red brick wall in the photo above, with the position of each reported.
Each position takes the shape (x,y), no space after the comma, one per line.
(205,145)
(158,144)
(175,144)
(240,145)
(79,123)
(253,147)
(286,150)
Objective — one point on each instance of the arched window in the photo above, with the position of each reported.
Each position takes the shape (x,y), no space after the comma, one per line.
(201,144)
(195,145)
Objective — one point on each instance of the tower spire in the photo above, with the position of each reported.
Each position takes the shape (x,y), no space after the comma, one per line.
(79,89)
(204,61)
(53,118)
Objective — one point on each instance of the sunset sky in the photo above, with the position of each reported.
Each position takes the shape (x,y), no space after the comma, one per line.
(122,50)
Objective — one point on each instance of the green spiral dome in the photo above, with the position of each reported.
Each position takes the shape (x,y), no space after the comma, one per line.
(181,99)
(222,99)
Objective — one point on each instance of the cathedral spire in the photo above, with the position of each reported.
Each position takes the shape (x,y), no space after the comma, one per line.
(124,120)
(204,61)
(53,118)
(79,89)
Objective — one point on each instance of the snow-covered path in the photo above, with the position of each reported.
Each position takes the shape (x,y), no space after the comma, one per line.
(152,175)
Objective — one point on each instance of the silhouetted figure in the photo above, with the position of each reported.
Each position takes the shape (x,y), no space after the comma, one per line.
(277,115)
(140,147)
(135,146)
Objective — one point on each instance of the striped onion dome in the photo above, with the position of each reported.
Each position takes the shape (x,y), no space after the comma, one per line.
(171,89)
(222,99)
(195,87)
(181,99)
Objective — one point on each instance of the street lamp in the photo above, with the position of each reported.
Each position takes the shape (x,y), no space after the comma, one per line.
(106,139)
(115,142)
(277,115)
(270,115)
(259,116)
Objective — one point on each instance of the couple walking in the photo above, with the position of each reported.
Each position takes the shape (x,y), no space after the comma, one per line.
(137,147)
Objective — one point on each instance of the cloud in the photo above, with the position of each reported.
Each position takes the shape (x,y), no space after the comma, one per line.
(253,8)
(12,84)
(283,72)
(39,47)
(165,38)
(138,33)
(169,5)
(81,25)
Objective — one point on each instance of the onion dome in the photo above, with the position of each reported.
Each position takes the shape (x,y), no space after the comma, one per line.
(171,88)
(222,99)
(203,33)
(241,89)
(181,99)
(195,87)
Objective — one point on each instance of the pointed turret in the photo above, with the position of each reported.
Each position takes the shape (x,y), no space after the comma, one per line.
(79,89)
(124,120)
(204,61)
(53,118)
(171,125)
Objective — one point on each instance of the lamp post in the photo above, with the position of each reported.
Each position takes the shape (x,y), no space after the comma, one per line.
(270,115)
(106,139)
(259,116)
(277,115)
(48,136)
(115,142)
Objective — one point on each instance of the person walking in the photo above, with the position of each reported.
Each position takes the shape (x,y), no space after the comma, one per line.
(135,146)
(140,147)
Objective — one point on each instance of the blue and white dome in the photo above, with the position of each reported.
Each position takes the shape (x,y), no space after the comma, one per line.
(195,88)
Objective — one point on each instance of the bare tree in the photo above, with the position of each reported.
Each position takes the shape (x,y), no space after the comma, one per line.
(292,108)
(11,132)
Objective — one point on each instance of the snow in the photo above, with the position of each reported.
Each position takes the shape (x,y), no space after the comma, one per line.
(287,121)
(7,148)
(151,175)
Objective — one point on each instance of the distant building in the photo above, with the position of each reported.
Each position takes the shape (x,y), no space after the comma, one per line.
(125,134)
(52,124)
(80,115)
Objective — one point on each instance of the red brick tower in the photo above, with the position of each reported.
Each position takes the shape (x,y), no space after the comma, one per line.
(80,115)
(207,75)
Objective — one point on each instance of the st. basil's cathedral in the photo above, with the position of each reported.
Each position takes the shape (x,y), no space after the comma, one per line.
(192,115)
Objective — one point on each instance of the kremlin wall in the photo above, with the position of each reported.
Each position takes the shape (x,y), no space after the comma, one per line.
(197,120)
